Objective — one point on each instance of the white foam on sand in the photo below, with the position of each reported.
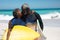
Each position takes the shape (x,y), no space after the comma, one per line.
(51,15)
(5,17)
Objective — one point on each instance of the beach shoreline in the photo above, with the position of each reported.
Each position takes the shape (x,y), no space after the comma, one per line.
(51,28)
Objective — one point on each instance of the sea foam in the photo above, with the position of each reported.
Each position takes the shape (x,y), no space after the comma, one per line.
(52,15)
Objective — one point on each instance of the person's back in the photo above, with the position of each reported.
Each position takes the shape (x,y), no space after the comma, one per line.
(31,21)
(17,21)
(31,18)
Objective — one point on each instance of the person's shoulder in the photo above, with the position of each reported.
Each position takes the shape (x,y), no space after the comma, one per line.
(11,20)
(34,12)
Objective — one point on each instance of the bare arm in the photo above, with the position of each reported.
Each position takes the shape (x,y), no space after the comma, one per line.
(9,30)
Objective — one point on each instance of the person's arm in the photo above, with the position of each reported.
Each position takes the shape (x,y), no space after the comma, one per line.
(9,30)
(40,20)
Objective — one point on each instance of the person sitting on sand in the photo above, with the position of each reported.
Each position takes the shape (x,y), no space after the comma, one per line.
(15,21)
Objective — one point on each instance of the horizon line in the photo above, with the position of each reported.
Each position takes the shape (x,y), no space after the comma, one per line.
(37,9)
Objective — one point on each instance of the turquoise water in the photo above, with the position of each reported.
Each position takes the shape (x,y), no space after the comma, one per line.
(45,13)
(6,12)
(42,12)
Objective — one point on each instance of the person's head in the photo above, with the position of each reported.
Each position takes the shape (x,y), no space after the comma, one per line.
(17,13)
(25,9)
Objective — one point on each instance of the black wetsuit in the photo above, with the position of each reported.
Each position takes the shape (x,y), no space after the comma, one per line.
(39,19)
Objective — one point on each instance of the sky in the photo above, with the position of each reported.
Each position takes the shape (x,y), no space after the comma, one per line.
(34,4)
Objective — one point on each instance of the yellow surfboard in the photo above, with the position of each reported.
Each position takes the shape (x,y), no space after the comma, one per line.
(21,33)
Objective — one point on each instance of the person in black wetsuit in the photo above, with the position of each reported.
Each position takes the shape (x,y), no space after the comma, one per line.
(25,9)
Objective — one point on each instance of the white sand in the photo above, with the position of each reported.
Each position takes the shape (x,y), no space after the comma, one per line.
(51,28)
(52,33)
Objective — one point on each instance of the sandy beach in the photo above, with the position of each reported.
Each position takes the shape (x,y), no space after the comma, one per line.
(51,28)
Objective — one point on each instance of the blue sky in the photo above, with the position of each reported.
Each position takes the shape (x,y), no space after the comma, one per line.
(12,4)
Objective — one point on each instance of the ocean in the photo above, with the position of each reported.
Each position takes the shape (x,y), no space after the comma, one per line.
(44,13)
